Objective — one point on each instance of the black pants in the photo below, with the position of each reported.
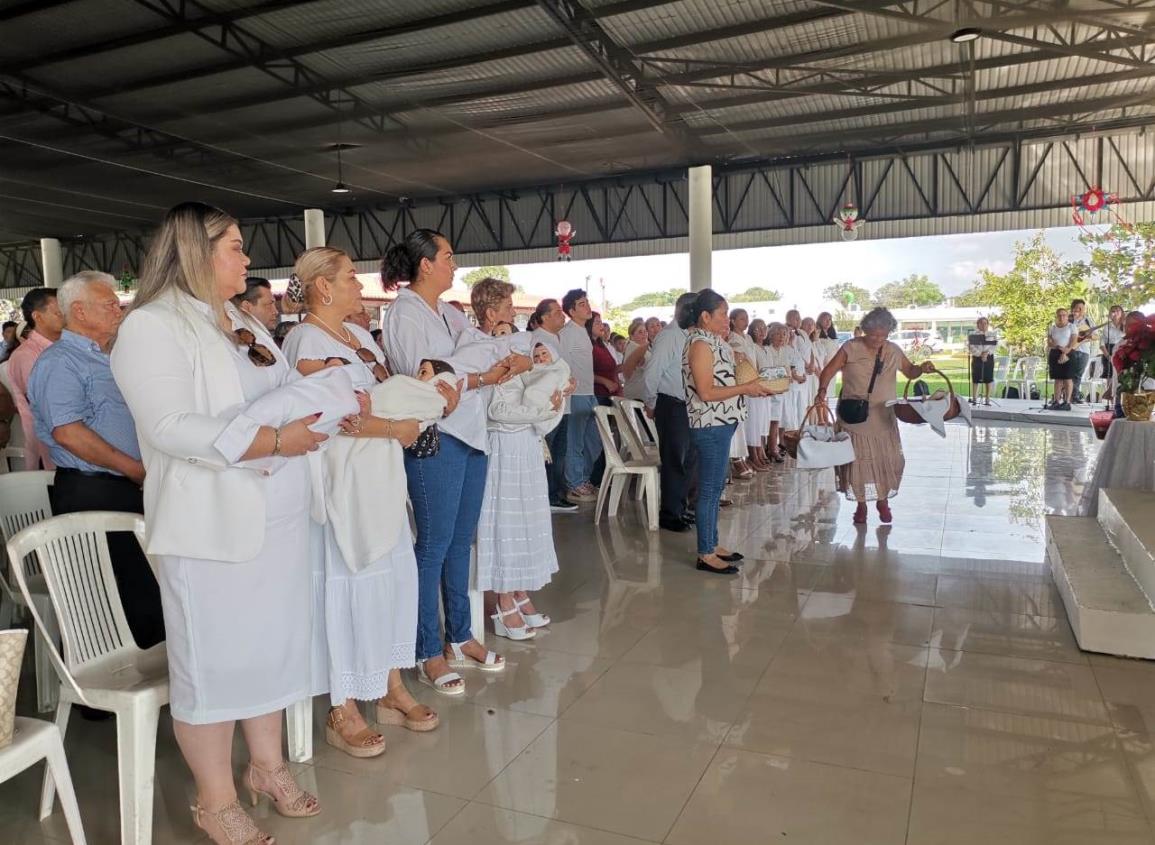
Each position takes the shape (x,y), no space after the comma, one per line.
(555,472)
(679,459)
(73,492)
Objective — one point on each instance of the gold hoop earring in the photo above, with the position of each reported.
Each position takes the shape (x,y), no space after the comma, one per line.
(327,299)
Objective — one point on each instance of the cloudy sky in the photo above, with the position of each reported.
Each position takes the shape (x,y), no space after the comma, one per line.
(798,272)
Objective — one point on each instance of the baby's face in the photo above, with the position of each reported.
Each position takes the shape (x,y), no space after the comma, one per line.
(541,355)
(425,371)
(502,329)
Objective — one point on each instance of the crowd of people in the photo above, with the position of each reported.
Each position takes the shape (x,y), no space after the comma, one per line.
(270,463)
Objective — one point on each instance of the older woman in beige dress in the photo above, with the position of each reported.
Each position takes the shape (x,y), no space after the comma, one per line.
(876,473)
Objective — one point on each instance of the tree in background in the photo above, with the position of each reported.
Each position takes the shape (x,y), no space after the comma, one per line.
(1026,296)
(654,300)
(756,294)
(474,276)
(970,298)
(914,291)
(1122,264)
(845,321)
(848,295)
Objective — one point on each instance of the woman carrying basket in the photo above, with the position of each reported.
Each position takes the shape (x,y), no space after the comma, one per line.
(869,367)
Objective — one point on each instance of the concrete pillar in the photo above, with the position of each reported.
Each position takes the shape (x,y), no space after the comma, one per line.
(52,261)
(314,228)
(701,202)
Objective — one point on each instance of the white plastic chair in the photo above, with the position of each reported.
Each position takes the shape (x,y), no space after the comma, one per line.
(24,502)
(102,667)
(37,740)
(1092,383)
(619,472)
(11,457)
(1026,376)
(1003,368)
(639,443)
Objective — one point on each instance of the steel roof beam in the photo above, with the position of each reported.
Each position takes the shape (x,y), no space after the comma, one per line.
(29,7)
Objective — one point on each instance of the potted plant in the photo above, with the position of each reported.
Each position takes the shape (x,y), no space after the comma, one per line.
(1134,361)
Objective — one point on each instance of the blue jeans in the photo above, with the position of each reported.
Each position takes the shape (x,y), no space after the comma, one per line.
(713,445)
(446,491)
(582,443)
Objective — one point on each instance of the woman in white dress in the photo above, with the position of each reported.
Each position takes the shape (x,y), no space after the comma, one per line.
(765,410)
(370,615)
(515,550)
(781,354)
(825,340)
(231,543)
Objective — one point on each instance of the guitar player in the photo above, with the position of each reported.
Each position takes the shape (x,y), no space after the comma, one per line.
(1082,353)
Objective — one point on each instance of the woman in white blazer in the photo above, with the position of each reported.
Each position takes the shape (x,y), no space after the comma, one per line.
(231,543)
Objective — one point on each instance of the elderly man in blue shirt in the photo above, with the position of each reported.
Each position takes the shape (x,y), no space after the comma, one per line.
(85,424)
(665,394)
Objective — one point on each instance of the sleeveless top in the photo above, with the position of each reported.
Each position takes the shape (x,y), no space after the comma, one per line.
(704,414)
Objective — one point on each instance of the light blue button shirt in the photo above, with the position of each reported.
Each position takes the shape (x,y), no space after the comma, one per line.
(72,382)
(663,372)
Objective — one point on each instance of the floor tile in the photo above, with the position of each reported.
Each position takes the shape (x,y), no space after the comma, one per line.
(1030,596)
(536,680)
(742,638)
(752,799)
(1015,685)
(835,613)
(887,671)
(1130,697)
(479,824)
(595,776)
(1012,634)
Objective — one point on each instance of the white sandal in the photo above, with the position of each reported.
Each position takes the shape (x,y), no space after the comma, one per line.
(521,632)
(461,660)
(533,620)
(441,683)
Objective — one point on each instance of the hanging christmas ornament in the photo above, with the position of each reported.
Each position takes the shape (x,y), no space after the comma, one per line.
(565,233)
(1085,207)
(847,221)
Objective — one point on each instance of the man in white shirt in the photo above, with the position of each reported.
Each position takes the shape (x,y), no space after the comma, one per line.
(583,445)
(549,319)
(665,394)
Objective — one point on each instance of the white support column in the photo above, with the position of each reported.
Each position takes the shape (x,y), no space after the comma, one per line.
(52,261)
(314,228)
(701,202)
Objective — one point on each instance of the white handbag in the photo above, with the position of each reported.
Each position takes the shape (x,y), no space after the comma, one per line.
(822,446)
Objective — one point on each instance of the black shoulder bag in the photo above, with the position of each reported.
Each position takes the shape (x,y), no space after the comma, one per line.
(855,411)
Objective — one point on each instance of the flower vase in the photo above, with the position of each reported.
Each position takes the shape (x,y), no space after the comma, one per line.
(1138,406)
(11,654)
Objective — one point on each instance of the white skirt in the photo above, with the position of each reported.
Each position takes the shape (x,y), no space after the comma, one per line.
(370,620)
(239,633)
(738,441)
(794,405)
(776,405)
(515,533)
(758,423)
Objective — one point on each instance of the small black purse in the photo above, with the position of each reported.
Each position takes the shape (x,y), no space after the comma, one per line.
(854,411)
(427,444)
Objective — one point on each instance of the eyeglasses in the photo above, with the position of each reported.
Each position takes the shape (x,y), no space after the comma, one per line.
(258,353)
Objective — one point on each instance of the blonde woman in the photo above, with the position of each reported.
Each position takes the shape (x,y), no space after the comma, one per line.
(232,544)
(370,615)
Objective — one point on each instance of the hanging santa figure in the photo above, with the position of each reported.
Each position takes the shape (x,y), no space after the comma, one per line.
(565,233)
(848,221)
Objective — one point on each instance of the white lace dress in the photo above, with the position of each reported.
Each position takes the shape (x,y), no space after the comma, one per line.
(366,621)
(515,548)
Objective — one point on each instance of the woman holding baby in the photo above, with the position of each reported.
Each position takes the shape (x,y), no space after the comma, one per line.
(515,552)
(365,617)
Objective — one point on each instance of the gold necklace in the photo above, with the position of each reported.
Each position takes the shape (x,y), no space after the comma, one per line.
(348,340)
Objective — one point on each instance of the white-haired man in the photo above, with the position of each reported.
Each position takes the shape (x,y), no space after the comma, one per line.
(83,421)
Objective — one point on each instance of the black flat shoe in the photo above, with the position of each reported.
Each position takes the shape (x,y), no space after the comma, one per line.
(702,566)
(677,525)
(689,519)
(733,557)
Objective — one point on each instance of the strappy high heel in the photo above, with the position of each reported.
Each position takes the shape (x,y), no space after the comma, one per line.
(287,796)
(234,824)
(364,743)
(533,620)
(519,632)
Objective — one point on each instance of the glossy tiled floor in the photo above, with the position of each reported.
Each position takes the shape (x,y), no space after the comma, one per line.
(916,684)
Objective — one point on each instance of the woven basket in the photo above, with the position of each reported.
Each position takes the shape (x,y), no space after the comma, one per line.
(907,414)
(11,655)
(745,372)
(816,414)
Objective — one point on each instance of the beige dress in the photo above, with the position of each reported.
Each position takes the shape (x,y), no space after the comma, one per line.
(876,472)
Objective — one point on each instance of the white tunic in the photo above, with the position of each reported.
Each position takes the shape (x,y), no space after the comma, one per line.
(366,621)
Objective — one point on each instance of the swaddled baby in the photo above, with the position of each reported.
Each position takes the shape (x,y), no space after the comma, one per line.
(549,375)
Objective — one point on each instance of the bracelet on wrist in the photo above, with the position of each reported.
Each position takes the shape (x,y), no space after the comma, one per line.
(276,442)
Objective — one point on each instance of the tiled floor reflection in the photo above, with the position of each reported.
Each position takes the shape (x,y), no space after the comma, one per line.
(910,684)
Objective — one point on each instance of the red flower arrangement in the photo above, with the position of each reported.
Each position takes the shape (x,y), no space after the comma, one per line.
(1134,358)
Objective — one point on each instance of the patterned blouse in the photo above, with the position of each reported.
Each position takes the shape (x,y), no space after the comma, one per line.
(725,411)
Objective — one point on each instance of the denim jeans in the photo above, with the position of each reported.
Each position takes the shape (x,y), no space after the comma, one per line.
(1079,362)
(582,443)
(713,446)
(446,491)
(554,473)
